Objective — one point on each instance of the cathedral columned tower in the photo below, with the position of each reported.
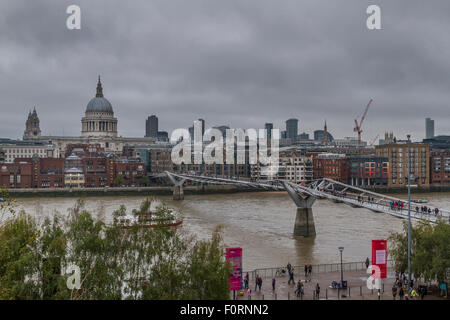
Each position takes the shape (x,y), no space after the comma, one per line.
(32,129)
(99,118)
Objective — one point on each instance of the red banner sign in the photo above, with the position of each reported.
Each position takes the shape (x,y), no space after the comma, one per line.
(235,256)
(379,258)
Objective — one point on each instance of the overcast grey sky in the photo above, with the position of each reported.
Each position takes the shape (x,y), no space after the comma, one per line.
(235,62)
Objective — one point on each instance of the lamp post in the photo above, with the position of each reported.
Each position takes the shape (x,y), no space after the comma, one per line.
(342,271)
(409,212)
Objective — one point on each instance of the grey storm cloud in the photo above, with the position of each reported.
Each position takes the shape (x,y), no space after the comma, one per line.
(231,62)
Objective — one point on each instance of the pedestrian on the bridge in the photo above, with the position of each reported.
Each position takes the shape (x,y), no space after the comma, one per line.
(317,290)
(306,270)
(310,270)
(260,283)
(291,277)
(273,284)
(256,282)
(289,267)
(367,262)
(394,291)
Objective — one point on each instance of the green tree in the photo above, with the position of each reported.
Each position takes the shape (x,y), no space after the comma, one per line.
(115,263)
(18,258)
(118,180)
(430,250)
(145,181)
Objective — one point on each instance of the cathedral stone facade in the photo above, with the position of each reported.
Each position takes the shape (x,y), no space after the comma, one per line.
(98,126)
(32,129)
(99,119)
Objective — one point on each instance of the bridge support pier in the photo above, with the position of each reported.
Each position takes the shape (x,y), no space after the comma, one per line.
(304,220)
(178,193)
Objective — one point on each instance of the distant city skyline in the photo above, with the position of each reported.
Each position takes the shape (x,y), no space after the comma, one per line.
(241,64)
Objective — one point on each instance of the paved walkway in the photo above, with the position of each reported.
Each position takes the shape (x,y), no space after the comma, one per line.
(356,282)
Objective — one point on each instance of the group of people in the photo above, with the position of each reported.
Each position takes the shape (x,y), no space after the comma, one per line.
(426,210)
(299,291)
(308,270)
(397,205)
(400,288)
(369,199)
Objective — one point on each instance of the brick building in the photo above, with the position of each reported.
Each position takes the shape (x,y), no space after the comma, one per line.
(440,167)
(397,155)
(129,170)
(332,166)
(368,171)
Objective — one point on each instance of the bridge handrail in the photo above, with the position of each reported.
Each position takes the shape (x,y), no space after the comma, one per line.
(442,212)
(317,188)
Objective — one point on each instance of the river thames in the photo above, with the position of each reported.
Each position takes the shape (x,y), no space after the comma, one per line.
(261,223)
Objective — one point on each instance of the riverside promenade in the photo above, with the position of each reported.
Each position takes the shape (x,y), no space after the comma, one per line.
(325,274)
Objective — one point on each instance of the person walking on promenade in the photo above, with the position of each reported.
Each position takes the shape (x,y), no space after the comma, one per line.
(310,270)
(367,262)
(421,292)
(246,281)
(414,294)
(317,291)
(273,284)
(306,270)
(260,283)
(394,291)
(256,282)
(298,291)
(401,293)
(291,276)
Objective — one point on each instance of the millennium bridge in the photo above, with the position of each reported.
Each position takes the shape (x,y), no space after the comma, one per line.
(304,195)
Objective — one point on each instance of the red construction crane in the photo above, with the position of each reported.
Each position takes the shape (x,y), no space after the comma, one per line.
(358,126)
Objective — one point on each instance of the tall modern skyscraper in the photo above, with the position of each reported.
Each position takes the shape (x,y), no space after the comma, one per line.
(429,128)
(151,127)
(203,126)
(292,129)
(269,127)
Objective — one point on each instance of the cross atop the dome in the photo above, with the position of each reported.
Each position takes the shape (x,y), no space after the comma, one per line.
(99,89)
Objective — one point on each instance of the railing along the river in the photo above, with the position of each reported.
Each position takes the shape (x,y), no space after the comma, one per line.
(316,268)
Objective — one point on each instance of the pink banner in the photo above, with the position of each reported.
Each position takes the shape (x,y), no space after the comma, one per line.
(379,257)
(235,256)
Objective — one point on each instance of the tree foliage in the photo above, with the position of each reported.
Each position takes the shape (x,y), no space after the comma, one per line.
(115,263)
(430,250)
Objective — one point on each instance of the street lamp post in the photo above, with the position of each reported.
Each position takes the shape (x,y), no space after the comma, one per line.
(409,212)
(342,271)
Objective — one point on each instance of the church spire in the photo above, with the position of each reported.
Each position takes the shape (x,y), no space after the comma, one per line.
(99,89)
(325,138)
